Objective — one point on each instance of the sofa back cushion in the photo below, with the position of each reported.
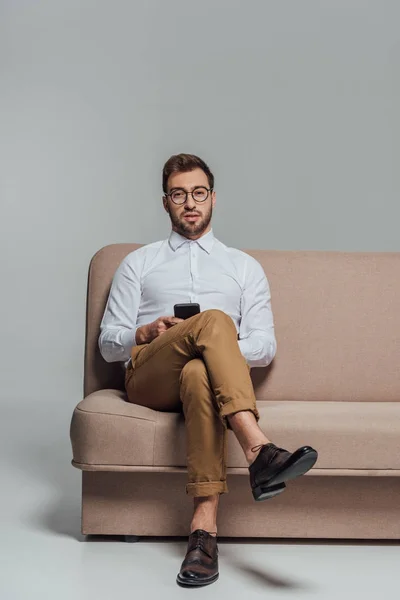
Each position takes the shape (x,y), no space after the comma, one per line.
(337,325)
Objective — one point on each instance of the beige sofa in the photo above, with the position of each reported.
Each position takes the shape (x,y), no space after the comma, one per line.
(334,384)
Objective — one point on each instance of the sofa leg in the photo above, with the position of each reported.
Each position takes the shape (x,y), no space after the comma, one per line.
(131,538)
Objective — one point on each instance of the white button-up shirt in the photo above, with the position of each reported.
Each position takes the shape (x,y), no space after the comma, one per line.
(151,279)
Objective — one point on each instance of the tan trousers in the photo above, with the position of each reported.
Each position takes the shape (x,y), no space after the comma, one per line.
(196,366)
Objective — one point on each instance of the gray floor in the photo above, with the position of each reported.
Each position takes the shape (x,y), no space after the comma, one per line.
(45,556)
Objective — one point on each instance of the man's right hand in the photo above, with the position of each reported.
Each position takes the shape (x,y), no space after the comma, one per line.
(146,333)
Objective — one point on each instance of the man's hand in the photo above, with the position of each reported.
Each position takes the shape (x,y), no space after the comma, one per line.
(147,333)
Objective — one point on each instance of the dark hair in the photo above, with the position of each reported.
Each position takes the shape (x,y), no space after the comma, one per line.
(182,163)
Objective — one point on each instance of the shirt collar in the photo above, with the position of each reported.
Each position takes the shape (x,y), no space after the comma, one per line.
(176,240)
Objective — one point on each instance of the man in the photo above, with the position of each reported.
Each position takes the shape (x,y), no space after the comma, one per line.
(200,365)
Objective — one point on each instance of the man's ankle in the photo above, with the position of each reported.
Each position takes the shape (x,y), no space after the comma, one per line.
(252,453)
(205,513)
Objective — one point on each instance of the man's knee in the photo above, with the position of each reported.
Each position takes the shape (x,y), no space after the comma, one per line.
(194,369)
(216,316)
(194,383)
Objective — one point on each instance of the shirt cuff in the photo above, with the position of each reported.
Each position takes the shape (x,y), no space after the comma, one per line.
(128,340)
(254,352)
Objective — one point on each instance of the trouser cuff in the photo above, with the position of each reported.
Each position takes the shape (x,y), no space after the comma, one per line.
(229,408)
(206,488)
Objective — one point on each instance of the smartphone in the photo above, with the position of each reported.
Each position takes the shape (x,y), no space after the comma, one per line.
(186,310)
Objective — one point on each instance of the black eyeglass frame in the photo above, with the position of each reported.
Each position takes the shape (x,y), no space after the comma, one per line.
(203,187)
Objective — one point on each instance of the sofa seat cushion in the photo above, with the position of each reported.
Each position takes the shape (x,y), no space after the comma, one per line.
(108,430)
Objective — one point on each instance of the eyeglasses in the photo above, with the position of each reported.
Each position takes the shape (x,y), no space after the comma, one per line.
(199,194)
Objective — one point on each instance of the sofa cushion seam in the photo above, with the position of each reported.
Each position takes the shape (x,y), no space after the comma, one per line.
(97,412)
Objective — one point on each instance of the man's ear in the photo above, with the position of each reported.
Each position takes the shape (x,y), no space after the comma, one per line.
(213,198)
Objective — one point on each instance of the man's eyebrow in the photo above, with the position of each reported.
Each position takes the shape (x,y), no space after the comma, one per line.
(181,188)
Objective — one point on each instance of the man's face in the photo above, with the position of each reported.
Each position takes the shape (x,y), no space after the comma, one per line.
(192,228)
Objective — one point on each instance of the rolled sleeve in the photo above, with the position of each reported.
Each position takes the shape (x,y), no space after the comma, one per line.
(257,340)
(118,326)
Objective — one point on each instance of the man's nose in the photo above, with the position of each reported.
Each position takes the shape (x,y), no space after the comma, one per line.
(190,203)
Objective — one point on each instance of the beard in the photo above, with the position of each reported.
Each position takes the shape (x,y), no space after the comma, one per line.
(186,227)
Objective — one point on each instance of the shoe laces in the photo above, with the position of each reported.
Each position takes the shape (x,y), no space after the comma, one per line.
(255,448)
(200,542)
(274,450)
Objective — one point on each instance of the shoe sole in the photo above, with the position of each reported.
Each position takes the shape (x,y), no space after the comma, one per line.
(263,493)
(298,464)
(191,583)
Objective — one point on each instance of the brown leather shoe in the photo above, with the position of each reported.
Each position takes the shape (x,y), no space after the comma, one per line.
(273,466)
(200,565)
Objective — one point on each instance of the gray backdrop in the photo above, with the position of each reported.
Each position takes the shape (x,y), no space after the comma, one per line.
(293,104)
